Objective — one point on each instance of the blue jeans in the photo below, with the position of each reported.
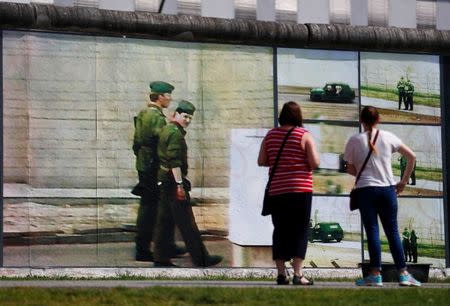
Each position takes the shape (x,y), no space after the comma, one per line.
(382,202)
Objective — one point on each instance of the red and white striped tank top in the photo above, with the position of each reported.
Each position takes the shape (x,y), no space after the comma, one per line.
(293,173)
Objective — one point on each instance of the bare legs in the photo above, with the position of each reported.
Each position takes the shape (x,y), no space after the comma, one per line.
(297,264)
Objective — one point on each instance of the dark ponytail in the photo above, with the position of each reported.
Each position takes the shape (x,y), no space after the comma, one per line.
(370,117)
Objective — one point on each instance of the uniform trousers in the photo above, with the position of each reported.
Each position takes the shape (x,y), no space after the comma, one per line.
(174,212)
(401,97)
(147,213)
(290,217)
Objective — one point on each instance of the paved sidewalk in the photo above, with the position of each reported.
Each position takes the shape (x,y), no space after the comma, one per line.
(196,283)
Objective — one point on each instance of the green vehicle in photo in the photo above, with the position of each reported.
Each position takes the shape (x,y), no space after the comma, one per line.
(333,92)
(325,232)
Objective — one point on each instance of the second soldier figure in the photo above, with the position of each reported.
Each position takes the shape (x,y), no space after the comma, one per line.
(175,207)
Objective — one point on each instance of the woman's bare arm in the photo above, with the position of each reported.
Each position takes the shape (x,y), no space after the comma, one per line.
(263,159)
(311,152)
(410,161)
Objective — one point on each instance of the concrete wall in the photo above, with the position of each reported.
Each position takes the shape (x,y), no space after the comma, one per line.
(15,110)
(69,103)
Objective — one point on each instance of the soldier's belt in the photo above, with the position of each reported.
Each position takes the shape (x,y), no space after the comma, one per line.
(164,168)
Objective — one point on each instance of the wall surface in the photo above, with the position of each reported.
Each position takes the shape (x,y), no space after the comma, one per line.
(70,102)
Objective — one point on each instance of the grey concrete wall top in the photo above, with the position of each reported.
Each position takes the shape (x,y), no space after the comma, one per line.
(203,29)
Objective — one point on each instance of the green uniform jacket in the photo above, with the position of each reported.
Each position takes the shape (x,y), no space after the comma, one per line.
(148,125)
(401,86)
(409,88)
(172,148)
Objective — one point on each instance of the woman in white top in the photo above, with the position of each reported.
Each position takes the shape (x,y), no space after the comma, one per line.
(377,192)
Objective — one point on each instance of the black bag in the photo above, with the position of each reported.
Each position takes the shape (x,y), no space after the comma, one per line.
(353,199)
(267,204)
(267,208)
(354,205)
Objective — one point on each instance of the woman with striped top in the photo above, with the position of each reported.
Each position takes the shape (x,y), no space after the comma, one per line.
(292,187)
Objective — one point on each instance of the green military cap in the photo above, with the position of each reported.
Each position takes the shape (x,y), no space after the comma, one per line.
(185,107)
(160,87)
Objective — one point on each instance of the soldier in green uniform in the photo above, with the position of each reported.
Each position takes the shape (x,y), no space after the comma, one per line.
(413,174)
(413,245)
(175,207)
(401,92)
(406,244)
(402,160)
(148,125)
(409,91)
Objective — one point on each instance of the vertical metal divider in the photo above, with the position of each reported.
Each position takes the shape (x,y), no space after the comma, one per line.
(445,139)
(275,86)
(359,111)
(1,148)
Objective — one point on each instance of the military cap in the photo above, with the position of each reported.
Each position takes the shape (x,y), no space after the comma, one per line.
(185,107)
(160,87)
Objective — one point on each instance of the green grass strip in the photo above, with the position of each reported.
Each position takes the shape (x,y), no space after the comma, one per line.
(222,296)
(424,250)
(422,173)
(391,94)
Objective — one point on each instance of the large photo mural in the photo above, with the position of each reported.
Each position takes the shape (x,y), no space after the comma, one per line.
(74,149)
(69,164)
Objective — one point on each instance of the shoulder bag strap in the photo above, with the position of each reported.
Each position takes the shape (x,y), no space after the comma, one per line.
(278,156)
(367,158)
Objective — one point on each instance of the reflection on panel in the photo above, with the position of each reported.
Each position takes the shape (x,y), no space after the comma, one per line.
(426,245)
(323,82)
(330,139)
(404,87)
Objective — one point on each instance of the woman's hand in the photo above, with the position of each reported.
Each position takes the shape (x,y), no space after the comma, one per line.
(400,187)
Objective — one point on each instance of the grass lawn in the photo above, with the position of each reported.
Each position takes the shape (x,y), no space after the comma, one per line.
(222,296)
(422,173)
(432,100)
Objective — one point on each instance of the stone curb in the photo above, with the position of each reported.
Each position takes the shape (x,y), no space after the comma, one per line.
(176,273)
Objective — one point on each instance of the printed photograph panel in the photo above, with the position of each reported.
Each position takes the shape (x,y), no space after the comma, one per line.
(323,82)
(425,141)
(426,245)
(404,87)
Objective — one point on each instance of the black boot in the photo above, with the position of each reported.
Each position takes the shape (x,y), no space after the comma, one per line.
(212,260)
